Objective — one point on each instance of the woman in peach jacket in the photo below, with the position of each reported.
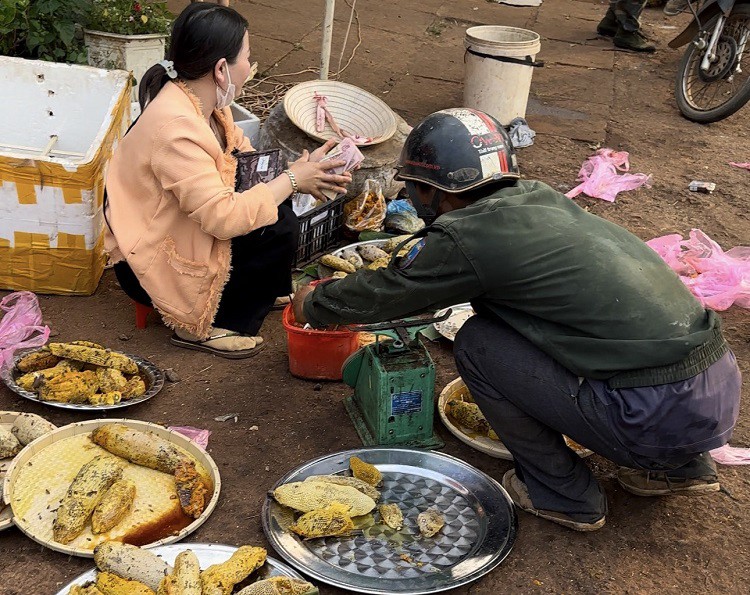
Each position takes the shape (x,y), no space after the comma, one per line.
(212,261)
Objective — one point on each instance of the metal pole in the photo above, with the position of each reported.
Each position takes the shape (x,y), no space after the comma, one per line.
(325,54)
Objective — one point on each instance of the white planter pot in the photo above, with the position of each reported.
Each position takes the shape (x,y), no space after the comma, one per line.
(136,53)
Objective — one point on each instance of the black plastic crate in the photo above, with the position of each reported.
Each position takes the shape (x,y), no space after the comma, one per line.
(319,230)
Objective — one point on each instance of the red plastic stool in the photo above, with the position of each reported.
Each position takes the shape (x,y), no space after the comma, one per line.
(141,314)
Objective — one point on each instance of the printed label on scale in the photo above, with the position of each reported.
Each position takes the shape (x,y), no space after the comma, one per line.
(408,402)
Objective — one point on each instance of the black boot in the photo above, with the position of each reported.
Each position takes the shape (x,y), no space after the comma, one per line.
(633,40)
(608,25)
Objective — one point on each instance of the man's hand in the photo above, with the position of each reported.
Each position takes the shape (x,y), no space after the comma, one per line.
(298,302)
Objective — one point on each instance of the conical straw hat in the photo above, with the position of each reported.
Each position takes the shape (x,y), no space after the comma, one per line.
(355,110)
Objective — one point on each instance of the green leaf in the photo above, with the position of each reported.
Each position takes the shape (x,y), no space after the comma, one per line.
(7,13)
(311,270)
(66,30)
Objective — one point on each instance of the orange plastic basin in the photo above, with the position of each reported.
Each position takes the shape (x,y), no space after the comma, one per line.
(316,354)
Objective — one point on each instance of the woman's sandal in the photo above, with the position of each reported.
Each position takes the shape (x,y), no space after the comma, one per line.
(227,353)
(281,302)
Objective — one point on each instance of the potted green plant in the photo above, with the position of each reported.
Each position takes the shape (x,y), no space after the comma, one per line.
(127,35)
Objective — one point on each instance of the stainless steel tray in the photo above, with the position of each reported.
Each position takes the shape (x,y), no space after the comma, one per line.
(480,527)
(208,553)
(153,375)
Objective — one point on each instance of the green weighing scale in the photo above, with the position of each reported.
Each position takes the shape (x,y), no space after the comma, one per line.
(394,385)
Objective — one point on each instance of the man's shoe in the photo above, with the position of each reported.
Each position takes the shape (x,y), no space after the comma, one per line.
(659,483)
(633,40)
(608,25)
(520,495)
(674,7)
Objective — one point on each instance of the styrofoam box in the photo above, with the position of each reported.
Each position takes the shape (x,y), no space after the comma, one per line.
(51,200)
(246,120)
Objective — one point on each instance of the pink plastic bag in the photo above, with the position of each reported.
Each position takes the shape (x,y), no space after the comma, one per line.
(21,325)
(717,278)
(599,176)
(741,165)
(197,435)
(729,455)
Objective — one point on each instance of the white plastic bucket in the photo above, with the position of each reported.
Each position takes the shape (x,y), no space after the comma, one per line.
(499,64)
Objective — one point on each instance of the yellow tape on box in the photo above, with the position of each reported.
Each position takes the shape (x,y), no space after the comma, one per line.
(51,217)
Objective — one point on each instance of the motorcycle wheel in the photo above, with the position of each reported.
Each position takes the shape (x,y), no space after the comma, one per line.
(705,98)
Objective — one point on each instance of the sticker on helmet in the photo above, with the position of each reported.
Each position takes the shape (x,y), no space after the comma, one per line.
(465,174)
(489,142)
(422,164)
(412,254)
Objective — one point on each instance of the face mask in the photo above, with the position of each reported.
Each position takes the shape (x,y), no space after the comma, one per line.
(224,98)
(427,214)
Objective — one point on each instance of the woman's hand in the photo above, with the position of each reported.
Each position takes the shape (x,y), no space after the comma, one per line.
(312,177)
(322,150)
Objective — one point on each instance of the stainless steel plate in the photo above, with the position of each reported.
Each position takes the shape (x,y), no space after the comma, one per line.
(153,375)
(208,553)
(480,526)
(376,243)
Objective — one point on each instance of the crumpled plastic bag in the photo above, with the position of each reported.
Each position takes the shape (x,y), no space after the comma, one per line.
(401,205)
(729,455)
(402,217)
(717,278)
(304,203)
(21,326)
(745,165)
(367,211)
(521,134)
(197,435)
(600,177)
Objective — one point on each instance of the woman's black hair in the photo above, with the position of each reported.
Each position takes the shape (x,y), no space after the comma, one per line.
(202,34)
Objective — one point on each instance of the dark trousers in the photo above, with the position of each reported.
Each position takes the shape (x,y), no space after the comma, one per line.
(627,13)
(260,272)
(530,400)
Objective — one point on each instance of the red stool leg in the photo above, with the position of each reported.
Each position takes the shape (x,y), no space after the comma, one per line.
(141,314)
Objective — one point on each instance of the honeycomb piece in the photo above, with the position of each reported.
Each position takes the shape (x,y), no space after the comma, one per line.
(38,360)
(342,480)
(111,584)
(115,506)
(392,516)
(364,471)
(430,522)
(220,579)
(331,521)
(84,494)
(279,585)
(468,415)
(110,379)
(305,496)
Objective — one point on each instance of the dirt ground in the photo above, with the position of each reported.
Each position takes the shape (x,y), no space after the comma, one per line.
(586,95)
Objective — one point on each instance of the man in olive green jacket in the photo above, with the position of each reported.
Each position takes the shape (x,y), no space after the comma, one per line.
(580,328)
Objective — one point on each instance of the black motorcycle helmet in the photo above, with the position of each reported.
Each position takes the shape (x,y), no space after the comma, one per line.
(456,150)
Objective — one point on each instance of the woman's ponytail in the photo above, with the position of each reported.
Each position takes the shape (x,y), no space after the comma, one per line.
(151,83)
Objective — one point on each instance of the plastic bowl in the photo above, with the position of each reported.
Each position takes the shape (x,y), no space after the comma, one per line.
(316,354)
